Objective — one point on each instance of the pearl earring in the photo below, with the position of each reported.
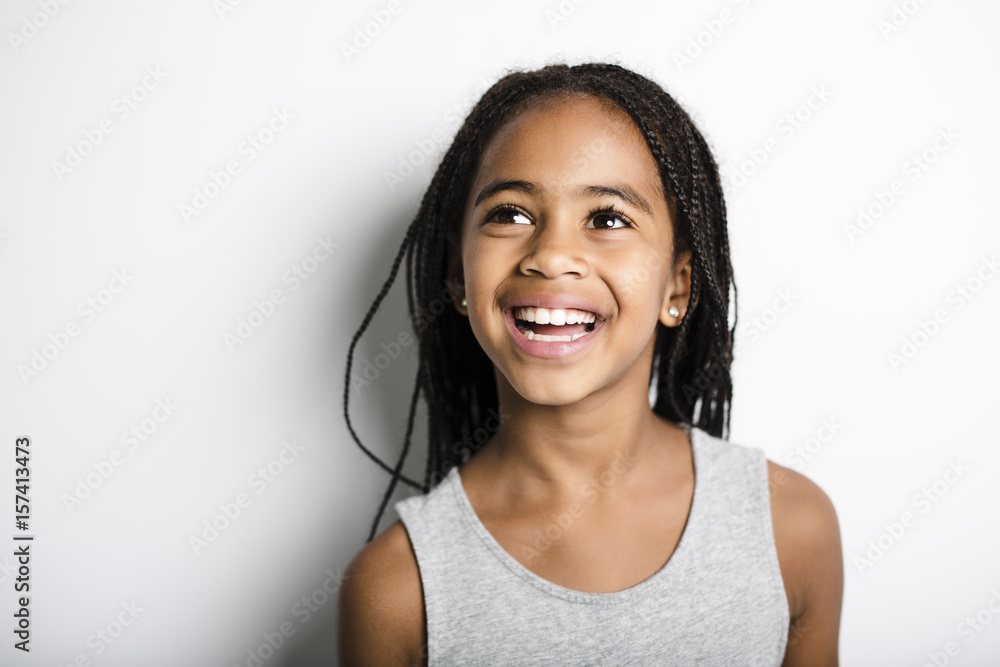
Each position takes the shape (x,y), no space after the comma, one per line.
(464,302)
(673,311)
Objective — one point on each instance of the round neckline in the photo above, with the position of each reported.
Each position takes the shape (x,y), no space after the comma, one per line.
(571,594)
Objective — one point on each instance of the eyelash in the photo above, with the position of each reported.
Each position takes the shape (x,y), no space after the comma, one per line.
(611,211)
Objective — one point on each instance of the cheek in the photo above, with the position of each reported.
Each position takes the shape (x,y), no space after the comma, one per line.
(640,285)
(477,269)
(488,261)
(484,273)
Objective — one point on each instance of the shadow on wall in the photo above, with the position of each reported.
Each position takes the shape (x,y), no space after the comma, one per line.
(314,643)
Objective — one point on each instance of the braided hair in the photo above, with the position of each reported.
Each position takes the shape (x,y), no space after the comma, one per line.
(691,362)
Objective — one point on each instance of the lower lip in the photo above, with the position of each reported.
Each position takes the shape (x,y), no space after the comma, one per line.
(549,349)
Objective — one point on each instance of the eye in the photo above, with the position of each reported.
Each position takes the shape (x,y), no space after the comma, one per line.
(609,219)
(508,215)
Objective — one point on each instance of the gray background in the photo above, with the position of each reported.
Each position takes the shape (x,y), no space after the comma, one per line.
(888,90)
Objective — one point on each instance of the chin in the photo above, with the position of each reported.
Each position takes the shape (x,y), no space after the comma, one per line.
(546,388)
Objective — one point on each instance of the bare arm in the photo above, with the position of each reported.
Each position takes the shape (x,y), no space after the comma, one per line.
(807,537)
(381,611)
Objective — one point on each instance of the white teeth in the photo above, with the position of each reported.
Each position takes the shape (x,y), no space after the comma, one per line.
(556,316)
(531,335)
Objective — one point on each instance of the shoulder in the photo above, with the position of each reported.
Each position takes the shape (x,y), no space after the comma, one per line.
(381,615)
(807,540)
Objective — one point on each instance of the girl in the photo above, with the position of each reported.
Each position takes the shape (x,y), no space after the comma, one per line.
(568,280)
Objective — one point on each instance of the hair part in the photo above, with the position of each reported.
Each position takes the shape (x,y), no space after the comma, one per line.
(691,362)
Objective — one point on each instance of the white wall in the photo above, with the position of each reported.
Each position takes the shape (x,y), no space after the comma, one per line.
(63,237)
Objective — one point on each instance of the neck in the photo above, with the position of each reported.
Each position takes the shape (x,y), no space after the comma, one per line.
(553,449)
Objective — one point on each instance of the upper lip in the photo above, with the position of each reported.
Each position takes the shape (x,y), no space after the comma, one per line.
(555,301)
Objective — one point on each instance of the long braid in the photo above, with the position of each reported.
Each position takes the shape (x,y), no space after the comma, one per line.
(692,208)
(396,476)
(354,341)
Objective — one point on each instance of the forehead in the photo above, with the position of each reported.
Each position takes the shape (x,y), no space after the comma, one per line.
(566,141)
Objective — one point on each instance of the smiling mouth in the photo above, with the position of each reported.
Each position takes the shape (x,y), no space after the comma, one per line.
(553,324)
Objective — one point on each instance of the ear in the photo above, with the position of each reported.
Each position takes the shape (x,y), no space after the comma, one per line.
(678,291)
(456,273)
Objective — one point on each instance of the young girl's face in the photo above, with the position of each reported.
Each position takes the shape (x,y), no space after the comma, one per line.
(566,211)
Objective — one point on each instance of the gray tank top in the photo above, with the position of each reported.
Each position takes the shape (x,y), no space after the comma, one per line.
(719,600)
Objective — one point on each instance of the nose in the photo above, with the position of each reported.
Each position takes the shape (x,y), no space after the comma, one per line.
(556,248)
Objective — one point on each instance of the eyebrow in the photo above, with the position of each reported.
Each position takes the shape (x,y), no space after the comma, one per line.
(502,186)
(623,192)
